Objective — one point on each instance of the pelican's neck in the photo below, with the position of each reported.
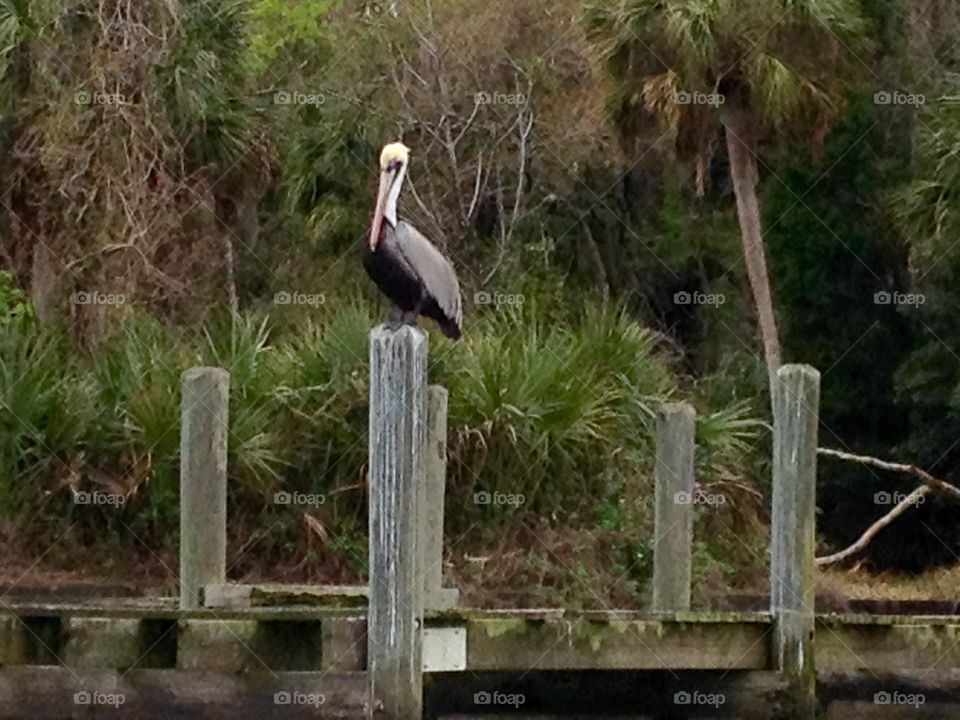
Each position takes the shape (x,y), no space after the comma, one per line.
(390,211)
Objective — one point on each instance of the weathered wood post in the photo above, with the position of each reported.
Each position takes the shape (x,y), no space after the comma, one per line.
(435,596)
(796,406)
(673,507)
(398,439)
(203,482)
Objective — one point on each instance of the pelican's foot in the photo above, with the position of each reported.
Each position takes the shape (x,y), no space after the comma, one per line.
(399,318)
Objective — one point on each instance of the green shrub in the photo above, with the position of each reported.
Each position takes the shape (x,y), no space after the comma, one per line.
(560,411)
(43,414)
(551,412)
(14,303)
(133,442)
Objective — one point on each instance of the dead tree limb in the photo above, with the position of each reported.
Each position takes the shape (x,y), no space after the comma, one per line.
(930,484)
(911,500)
(926,478)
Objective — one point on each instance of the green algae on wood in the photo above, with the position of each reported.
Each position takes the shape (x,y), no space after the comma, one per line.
(93,643)
(217,645)
(498,628)
(877,647)
(569,644)
(239,595)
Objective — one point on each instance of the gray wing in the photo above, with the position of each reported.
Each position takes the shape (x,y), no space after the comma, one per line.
(435,271)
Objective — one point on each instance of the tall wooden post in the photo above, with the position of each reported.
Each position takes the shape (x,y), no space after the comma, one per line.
(435,596)
(398,438)
(203,482)
(673,507)
(796,405)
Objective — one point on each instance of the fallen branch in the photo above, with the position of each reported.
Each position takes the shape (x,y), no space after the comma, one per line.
(930,484)
(926,478)
(911,500)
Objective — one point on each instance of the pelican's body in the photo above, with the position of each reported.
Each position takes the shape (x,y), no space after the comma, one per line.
(406,266)
(416,277)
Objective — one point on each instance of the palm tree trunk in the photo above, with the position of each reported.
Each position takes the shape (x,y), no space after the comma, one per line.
(230,263)
(46,284)
(743,172)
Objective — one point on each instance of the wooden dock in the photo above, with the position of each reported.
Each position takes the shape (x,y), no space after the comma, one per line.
(402,648)
(237,663)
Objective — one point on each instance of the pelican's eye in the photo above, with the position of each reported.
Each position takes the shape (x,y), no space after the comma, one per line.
(394,165)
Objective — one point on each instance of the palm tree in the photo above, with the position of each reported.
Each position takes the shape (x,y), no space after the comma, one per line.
(15,25)
(756,67)
(928,209)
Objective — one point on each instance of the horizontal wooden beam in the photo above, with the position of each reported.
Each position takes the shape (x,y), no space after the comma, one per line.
(149,609)
(43,693)
(552,614)
(890,646)
(240,595)
(868,695)
(694,695)
(559,695)
(507,640)
(516,644)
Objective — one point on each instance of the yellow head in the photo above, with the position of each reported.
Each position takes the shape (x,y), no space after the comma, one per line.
(394,152)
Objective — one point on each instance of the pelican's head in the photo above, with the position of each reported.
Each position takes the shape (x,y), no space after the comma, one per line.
(393,167)
(393,154)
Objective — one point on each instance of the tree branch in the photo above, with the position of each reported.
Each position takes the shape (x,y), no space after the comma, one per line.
(899,509)
(926,478)
(930,484)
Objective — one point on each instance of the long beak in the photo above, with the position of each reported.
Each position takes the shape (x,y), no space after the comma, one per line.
(386,182)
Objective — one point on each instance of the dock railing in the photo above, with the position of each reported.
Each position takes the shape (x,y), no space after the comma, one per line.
(406,483)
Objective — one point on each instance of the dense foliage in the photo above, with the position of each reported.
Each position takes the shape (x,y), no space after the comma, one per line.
(171,175)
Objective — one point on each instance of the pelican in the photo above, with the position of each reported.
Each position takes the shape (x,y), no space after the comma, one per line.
(407,267)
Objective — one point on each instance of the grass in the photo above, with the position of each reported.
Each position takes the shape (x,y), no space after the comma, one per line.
(855,584)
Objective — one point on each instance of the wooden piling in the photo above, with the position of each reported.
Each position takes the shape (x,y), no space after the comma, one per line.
(793,531)
(673,507)
(398,439)
(203,482)
(435,596)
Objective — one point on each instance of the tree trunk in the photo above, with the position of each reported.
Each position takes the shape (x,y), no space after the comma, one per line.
(230,264)
(592,251)
(46,286)
(743,172)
